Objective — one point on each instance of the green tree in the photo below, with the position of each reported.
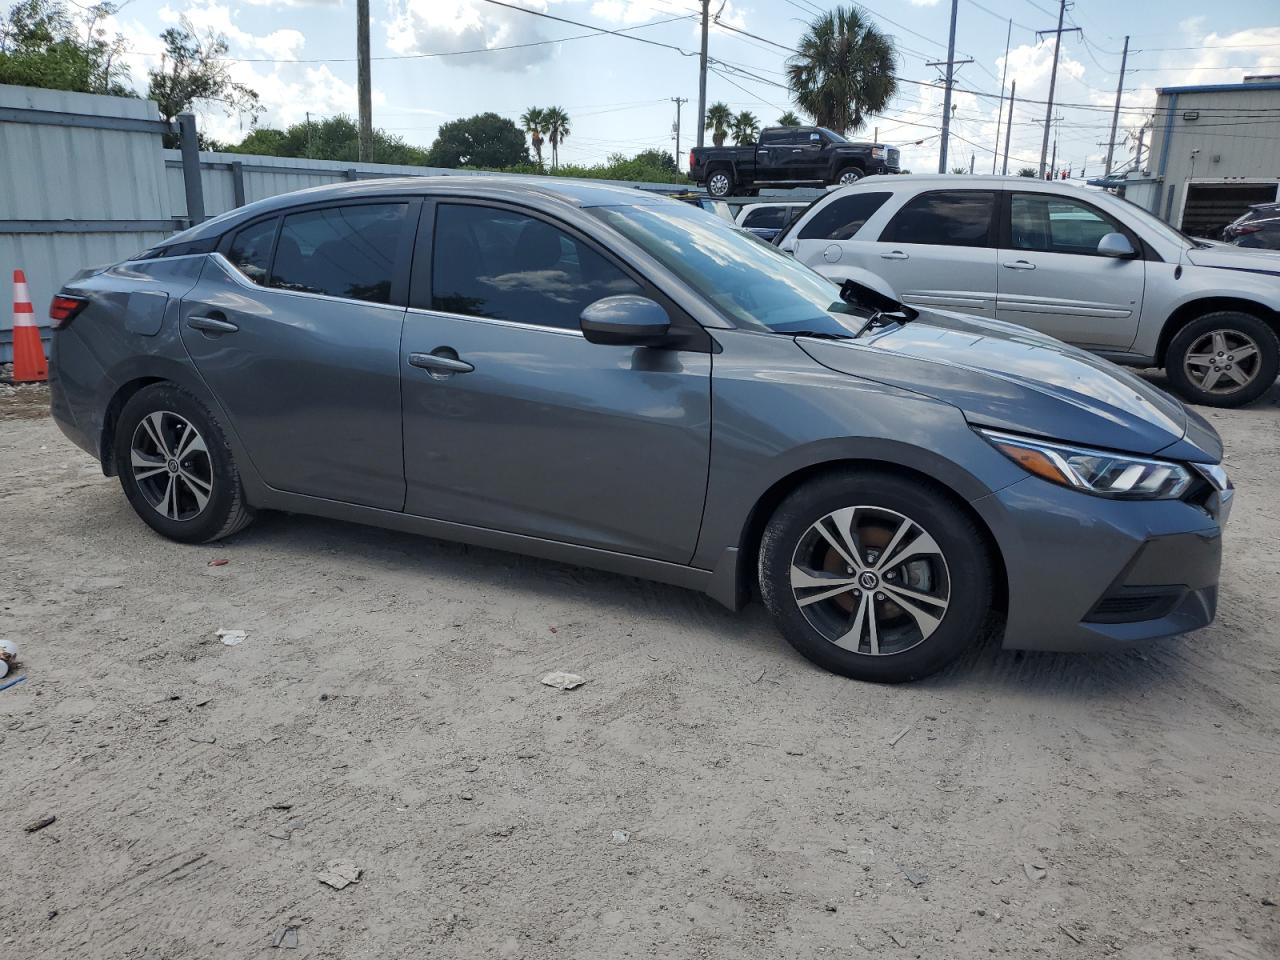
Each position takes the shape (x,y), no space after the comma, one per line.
(789,119)
(334,138)
(746,128)
(658,159)
(531,120)
(43,45)
(485,140)
(1028,172)
(555,123)
(194,70)
(719,117)
(964,170)
(843,71)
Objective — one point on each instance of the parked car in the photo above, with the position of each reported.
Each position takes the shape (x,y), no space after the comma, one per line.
(767,220)
(532,368)
(1081,265)
(788,157)
(1259,227)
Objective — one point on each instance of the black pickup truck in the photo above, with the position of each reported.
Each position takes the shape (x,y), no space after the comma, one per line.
(788,157)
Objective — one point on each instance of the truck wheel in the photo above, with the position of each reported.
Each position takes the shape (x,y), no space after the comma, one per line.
(720,183)
(1224,359)
(848,175)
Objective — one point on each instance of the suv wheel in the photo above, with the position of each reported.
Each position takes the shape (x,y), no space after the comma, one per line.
(849,175)
(176,468)
(720,183)
(1223,359)
(875,576)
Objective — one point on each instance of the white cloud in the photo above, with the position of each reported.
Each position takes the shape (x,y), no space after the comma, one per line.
(454,26)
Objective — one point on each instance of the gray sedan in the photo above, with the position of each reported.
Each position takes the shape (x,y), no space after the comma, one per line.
(608,378)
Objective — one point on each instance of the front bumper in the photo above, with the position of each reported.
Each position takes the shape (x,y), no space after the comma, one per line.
(1086,573)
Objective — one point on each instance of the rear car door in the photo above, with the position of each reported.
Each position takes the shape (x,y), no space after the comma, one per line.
(938,250)
(773,153)
(1053,279)
(295,325)
(820,235)
(539,432)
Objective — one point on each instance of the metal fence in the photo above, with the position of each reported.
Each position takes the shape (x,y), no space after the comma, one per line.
(86,180)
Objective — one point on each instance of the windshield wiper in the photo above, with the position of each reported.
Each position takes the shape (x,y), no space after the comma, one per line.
(817,334)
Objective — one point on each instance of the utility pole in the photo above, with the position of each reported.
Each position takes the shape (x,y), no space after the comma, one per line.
(363,81)
(1053,78)
(1115,116)
(1008,130)
(1004,75)
(678,101)
(702,74)
(972,157)
(1137,157)
(950,64)
(1053,164)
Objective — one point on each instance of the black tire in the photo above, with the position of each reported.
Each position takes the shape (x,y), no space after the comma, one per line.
(183,518)
(720,183)
(963,579)
(847,175)
(1238,329)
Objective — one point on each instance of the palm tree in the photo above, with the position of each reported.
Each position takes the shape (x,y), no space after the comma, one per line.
(745,128)
(719,117)
(843,71)
(532,120)
(555,124)
(789,119)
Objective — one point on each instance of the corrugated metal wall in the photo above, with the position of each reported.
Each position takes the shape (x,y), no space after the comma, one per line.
(51,173)
(1234,132)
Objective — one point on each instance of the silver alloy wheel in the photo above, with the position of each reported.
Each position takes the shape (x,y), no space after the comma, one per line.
(852,175)
(1222,361)
(171,465)
(870,580)
(719,185)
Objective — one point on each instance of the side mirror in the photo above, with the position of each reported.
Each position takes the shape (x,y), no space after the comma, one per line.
(815,138)
(626,320)
(787,245)
(1115,245)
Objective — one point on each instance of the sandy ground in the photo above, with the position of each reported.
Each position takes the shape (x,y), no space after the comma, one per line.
(385,709)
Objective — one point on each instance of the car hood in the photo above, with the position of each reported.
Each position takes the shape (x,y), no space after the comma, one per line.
(1011,378)
(1229,257)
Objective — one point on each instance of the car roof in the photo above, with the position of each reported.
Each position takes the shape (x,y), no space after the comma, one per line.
(545,192)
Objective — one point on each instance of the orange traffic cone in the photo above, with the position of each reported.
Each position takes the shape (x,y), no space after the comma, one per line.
(29,365)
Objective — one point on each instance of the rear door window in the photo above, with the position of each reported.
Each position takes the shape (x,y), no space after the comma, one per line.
(490,262)
(347,251)
(250,250)
(952,218)
(843,217)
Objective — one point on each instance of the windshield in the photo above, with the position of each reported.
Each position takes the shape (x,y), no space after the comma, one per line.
(1150,220)
(754,284)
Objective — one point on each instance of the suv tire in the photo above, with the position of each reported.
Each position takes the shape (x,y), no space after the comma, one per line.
(888,617)
(176,468)
(847,175)
(1205,365)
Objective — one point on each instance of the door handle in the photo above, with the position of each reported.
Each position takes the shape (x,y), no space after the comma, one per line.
(797,150)
(1020,265)
(438,364)
(211,324)
(895,255)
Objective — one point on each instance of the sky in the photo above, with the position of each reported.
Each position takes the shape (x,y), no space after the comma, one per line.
(436,60)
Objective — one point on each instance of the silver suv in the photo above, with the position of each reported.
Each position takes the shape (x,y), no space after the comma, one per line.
(1081,265)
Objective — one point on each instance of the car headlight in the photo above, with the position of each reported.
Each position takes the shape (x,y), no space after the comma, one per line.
(877,153)
(1099,472)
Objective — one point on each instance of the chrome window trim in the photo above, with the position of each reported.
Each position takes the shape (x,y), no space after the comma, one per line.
(496,321)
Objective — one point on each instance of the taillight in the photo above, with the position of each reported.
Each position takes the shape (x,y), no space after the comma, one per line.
(64,309)
(691,163)
(1246,228)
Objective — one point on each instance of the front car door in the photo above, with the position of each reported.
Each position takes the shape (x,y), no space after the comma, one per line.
(540,432)
(1053,279)
(295,325)
(938,250)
